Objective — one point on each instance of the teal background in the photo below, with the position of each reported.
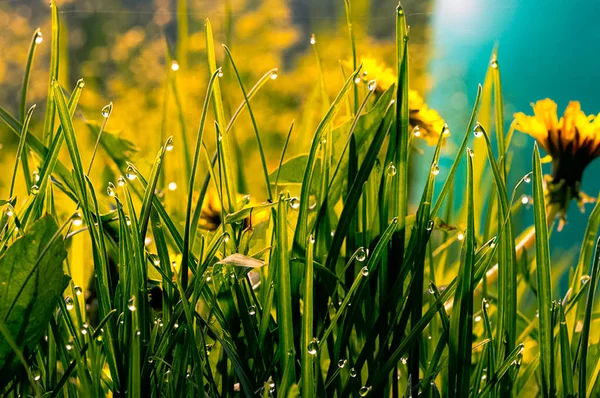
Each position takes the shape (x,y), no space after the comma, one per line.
(546,49)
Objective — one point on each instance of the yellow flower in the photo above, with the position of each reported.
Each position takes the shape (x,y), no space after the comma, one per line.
(572,142)
(426,123)
(210,214)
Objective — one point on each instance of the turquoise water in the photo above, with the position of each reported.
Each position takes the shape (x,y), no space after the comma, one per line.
(546,49)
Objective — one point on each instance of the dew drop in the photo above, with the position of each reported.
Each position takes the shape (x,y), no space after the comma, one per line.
(446,130)
(294,203)
(274,74)
(69,345)
(208,278)
(110,190)
(404,360)
(121,181)
(372,85)
(252,310)
(313,346)
(357,79)
(585,279)
(130,173)
(353,372)
(69,303)
(35,189)
(127,221)
(313,39)
(131,304)
(246,199)
(9,210)
(527,178)
(174,66)
(430,225)
(470,152)
(226,237)
(365,271)
(361,254)
(311,239)
(36,374)
(364,391)
(80,83)
(431,290)
(524,199)
(478,130)
(36,176)
(107,110)
(477,318)
(172,186)
(220,73)
(391,170)
(494,62)
(461,236)
(137,333)
(39,37)
(435,169)
(169,144)
(78,290)
(342,363)
(416,131)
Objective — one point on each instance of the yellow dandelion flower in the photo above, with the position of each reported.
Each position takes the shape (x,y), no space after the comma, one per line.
(572,142)
(426,123)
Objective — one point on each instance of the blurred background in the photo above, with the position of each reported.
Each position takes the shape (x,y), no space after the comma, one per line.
(148,58)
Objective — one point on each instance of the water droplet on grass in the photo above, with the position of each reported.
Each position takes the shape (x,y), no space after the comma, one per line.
(435,169)
(274,74)
(364,271)
(110,190)
(131,304)
(78,290)
(313,347)
(313,39)
(416,131)
(69,303)
(121,181)
(130,173)
(372,85)
(478,130)
(341,363)
(107,110)
(35,189)
(174,66)
(353,372)
(39,37)
(361,254)
(364,391)
(252,310)
(294,203)
(169,144)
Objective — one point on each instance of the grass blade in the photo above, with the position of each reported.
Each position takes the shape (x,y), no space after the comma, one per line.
(544,279)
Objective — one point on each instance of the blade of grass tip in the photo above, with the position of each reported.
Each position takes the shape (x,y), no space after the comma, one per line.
(499,111)
(254,126)
(106,112)
(53,76)
(197,150)
(308,355)
(35,40)
(270,75)
(283,151)
(324,97)
(284,301)
(587,321)
(449,183)
(544,278)
(348,10)
(51,162)
(398,202)
(461,324)
(149,193)
(20,149)
(230,185)
(302,224)
(566,360)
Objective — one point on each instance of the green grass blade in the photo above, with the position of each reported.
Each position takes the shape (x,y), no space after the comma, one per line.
(461,323)
(302,224)
(20,149)
(48,131)
(188,214)
(544,278)
(260,147)
(587,320)
(283,291)
(566,360)
(308,357)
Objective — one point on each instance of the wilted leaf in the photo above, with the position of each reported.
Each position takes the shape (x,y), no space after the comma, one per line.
(239,260)
(31,280)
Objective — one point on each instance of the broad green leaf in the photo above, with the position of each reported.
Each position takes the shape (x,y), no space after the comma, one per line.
(31,281)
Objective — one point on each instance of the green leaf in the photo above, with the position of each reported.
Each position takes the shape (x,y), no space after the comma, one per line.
(31,280)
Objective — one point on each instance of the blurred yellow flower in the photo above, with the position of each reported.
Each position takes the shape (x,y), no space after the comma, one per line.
(572,142)
(426,123)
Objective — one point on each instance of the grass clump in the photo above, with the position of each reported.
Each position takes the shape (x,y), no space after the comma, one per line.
(330,284)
